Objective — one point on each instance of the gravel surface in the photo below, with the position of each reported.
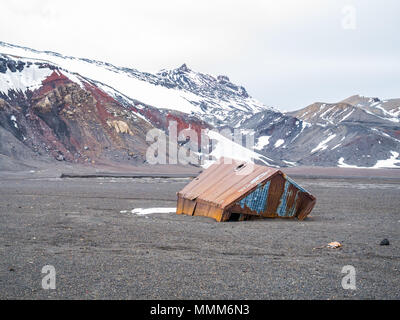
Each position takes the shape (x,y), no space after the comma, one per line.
(100,250)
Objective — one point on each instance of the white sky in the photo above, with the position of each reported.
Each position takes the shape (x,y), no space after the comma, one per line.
(287,53)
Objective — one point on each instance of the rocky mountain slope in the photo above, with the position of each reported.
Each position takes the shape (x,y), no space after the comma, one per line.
(356,132)
(129,101)
(353,109)
(213,99)
(54,107)
(67,120)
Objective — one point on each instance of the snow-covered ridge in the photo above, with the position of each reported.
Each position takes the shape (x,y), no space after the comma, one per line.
(30,79)
(27,74)
(352,109)
(355,132)
(215,99)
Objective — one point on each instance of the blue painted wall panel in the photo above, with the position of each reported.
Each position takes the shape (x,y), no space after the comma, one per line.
(257,200)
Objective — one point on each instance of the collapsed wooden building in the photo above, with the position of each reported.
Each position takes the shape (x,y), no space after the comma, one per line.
(229,190)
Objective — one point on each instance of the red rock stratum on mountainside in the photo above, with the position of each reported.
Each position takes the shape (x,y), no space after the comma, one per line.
(78,124)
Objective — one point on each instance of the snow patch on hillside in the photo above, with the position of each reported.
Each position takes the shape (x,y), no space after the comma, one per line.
(347,115)
(392,162)
(225,147)
(323,144)
(278,143)
(342,164)
(262,142)
(30,78)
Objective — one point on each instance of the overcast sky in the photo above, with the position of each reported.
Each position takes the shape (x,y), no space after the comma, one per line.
(287,53)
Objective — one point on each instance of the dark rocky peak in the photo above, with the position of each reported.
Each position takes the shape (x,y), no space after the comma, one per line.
(12,65)
(361,101)
(375,99)
(223,79)
(183,68)
(242,91)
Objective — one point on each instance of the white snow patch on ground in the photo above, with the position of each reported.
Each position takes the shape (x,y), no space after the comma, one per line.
(262,142)
(323,144)
(225,147)
(325,112)
(347,115)
(383,118)
(291,163)
(389,163)
(341,164)
(304,114)
(30,78)
(141,211)
(278,143)
(14,120)
(304,125)
(395,113)
(74,78)
(338,145)
(392,116)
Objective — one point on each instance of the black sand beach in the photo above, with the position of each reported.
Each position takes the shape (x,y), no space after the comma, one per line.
(100,250)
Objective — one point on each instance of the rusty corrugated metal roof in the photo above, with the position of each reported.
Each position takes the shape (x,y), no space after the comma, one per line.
(229,189)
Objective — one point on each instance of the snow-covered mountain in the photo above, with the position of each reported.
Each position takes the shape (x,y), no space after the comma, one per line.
(215,100)
(355,132)
(80,110)
(353,109)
